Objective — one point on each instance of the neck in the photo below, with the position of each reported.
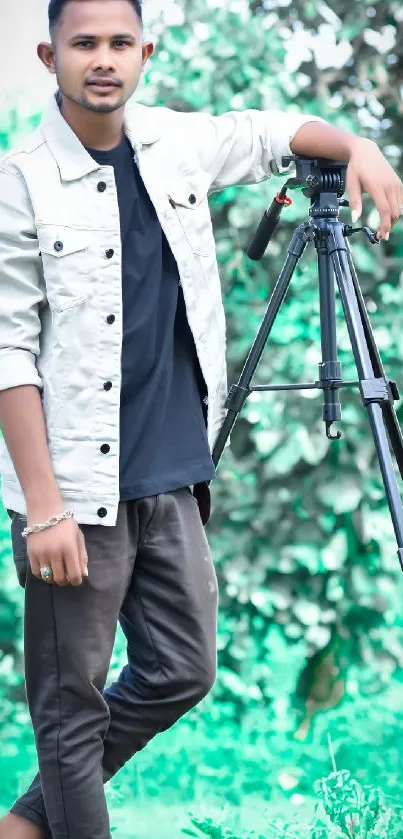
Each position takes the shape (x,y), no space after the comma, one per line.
(97,131)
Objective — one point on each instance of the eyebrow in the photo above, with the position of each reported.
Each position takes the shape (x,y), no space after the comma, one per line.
(125,36)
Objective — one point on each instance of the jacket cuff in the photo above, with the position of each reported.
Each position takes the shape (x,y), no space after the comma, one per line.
(17,367)
(284,132)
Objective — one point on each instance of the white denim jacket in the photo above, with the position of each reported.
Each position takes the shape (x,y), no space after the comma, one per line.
(60,283)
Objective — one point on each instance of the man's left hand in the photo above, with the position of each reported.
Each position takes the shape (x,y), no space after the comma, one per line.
(369,171)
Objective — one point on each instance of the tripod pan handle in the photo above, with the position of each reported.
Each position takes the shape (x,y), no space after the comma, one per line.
(267,226)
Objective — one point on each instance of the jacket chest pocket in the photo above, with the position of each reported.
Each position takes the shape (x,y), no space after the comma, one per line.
(66,265)
(188,196)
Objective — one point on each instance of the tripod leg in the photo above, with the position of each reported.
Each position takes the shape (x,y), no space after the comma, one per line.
(330,368)
(389,413)
(373,394)
(239,392)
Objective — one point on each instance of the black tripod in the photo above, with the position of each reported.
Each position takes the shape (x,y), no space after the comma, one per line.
(324,182)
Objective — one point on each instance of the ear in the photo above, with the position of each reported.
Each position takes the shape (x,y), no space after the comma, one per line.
(46,54)
(148,49)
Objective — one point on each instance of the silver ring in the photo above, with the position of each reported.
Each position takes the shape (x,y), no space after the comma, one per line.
(46,573)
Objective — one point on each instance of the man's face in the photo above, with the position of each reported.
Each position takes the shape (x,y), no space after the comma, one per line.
(99,41)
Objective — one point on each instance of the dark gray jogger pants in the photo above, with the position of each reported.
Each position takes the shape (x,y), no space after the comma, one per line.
(154,573)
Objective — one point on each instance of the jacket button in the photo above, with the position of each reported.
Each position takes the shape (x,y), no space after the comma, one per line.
(192,199)
(102,512)
(105,449)
(111,319)
(108,386)
(109,254)
(101,186)
(58,246)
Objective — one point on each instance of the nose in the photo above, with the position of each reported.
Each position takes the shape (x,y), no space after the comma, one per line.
(103,61)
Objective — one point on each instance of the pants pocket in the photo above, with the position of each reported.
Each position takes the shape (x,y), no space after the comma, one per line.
(19,545)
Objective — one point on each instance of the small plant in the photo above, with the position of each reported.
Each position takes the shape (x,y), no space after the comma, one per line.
(358,811)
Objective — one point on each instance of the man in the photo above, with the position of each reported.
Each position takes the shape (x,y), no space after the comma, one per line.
(112,392)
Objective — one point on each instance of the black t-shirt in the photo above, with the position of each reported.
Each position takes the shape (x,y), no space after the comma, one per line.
(163,432)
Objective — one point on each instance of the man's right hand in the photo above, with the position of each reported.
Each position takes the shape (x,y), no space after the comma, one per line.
(62,548)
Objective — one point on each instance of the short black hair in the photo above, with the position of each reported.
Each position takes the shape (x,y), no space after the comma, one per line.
(56,7)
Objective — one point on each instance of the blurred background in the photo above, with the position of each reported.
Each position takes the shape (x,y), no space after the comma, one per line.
(302,735)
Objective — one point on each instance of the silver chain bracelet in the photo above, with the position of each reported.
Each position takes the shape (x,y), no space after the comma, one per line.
(37,528)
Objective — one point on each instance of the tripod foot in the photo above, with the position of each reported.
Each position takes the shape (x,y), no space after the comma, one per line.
(330,436)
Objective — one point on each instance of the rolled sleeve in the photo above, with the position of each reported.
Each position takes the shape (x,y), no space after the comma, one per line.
(22,288)
(282,128)
(18,367)
(242,147)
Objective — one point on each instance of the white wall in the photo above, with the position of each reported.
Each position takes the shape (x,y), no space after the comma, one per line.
(24,82)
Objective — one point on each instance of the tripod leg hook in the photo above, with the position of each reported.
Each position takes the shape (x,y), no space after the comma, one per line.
(330,436)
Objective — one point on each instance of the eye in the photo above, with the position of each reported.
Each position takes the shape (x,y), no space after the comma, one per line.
(83,43)
(124,43)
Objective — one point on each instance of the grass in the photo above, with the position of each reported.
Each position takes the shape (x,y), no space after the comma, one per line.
(208,777)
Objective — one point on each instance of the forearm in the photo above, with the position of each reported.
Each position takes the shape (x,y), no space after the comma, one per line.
(318,139)
(22,422)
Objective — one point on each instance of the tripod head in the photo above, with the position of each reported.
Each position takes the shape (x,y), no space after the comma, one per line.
(321,180)
(316,175)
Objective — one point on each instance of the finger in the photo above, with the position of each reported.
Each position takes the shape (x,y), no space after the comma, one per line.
(45,564)
(49,581)
(394,205)
(35,565)
(399,199)
(59,571)
(82,550)
(385,214)
(354,194)
(72,564)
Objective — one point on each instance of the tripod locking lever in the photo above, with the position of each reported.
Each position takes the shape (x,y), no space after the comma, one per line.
(371,236)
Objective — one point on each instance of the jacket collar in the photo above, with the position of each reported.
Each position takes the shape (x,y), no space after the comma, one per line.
(140,126)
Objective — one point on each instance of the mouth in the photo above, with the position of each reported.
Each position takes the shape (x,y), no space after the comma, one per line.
(103,86)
